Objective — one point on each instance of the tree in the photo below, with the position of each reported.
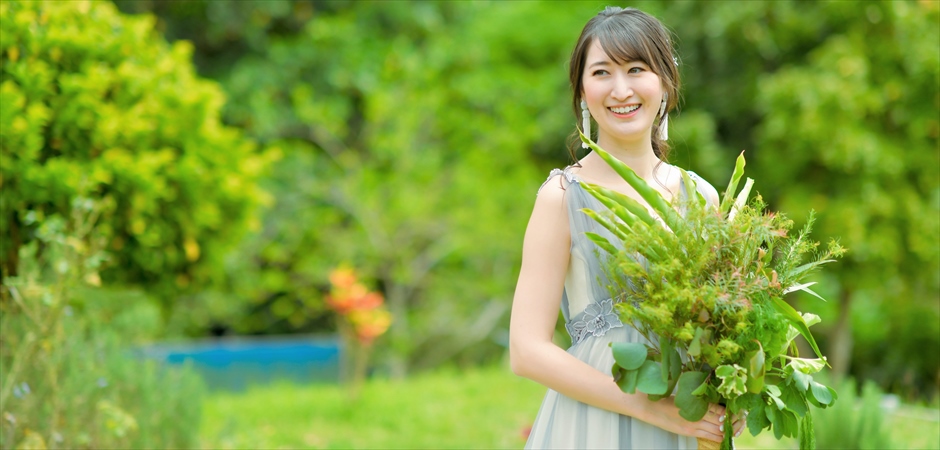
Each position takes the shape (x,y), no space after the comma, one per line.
(96,104)
(841,116)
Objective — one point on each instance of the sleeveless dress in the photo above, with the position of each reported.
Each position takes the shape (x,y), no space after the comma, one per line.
(593,324)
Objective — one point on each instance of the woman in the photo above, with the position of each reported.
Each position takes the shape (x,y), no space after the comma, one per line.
(624,76)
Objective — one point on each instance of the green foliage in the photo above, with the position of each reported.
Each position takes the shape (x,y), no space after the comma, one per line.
(96,104)
(68,379)
(845,123)
(401,158)
(838,115)
(477,408)
(855,422)
(722,274)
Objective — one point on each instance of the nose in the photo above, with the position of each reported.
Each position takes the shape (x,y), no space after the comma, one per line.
(622,89)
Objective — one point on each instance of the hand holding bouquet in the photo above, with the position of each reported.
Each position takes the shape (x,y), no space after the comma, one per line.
(706,288)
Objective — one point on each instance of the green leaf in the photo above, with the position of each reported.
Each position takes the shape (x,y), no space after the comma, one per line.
(789,424)
(612,199)
(691,406)
(691,188)
(695,348)
(627,381)
(807,366)
(652,196)
(796,320)
(800,380)
(756,371)
(757,419)
(650,379)
(732,184)
(811,319)
(794,400)
(805,288)
(667,347)
(629,355)
(821,393)
(601,242)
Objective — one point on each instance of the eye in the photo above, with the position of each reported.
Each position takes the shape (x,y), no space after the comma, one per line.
(599,72)
(635,69)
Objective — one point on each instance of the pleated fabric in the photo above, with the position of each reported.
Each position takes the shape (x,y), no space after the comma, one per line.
(587,308)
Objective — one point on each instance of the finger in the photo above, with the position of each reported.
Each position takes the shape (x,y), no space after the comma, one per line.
(738,427)
(705,434)
(715,415)
(740,422)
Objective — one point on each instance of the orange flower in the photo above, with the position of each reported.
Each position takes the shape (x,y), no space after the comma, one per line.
(370,323)
(342,277)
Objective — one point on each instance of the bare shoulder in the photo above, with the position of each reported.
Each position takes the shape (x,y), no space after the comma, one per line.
(550,200)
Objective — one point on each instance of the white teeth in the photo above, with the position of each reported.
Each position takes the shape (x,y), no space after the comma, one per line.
(625,110)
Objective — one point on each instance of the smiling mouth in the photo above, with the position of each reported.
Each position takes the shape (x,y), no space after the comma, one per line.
(625,109)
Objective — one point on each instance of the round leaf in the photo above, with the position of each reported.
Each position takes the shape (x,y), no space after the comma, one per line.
(627,381)
(691,407)
(650,378)
(629,355)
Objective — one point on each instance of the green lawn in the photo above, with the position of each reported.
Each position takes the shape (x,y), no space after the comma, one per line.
(481,408)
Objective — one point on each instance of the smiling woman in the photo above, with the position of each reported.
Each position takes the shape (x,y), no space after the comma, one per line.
(623,74)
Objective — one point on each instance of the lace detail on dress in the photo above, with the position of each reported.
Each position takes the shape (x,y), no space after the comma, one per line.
(596,320)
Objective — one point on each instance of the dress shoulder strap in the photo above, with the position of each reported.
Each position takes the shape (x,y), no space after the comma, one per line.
(566,178)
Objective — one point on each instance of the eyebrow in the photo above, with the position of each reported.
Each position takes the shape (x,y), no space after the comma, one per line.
(599,63)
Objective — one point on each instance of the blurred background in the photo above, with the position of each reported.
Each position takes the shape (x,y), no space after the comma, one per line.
(277,223)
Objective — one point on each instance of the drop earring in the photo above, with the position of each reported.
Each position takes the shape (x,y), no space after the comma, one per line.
(585,122)
(664,119)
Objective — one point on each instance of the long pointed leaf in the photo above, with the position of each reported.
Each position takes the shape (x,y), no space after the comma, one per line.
(652,196)
(612,202)
(797,287)
(741,199)
(603,194)
(809,266)
(610,225)
(601,242)
(691,188)
(797,321)
(733,184)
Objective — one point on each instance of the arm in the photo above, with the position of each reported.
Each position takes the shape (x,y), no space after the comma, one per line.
(533,355)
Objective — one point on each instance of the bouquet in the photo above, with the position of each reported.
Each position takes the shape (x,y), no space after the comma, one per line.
(706,288)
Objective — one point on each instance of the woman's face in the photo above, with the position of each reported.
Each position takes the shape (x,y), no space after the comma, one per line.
(624,99)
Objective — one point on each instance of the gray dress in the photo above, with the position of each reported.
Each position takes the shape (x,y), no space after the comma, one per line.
(593,324)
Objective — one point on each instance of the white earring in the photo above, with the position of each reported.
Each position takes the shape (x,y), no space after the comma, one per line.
(664,119)
(585,122)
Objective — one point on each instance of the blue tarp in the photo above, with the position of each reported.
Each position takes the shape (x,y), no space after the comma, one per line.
(235,364)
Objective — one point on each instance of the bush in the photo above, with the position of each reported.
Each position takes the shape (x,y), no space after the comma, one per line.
(69,380)
(96,104)
(853,422)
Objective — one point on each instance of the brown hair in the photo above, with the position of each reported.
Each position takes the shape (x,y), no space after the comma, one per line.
(626,34)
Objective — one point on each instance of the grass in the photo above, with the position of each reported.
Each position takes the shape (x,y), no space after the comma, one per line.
(480,408)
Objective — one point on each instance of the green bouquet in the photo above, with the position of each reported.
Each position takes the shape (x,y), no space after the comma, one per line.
(706,287)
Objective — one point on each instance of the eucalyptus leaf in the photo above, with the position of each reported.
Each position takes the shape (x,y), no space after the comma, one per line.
(627,381)
(691,406)
(629,355)
(649,378)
